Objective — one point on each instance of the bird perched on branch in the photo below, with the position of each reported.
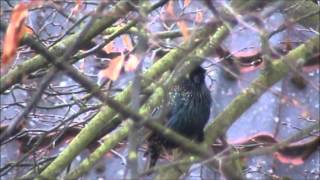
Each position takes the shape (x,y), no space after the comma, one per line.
(189,105)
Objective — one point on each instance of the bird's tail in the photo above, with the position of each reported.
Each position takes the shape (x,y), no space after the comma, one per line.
(153,151)
(154,156)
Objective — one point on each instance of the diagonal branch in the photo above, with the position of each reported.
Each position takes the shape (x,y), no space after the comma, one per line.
(279,68)
(37,62)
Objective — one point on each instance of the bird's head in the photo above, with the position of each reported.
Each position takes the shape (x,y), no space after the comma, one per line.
(197,76)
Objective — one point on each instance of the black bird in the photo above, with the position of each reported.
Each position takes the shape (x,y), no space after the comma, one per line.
(188,112)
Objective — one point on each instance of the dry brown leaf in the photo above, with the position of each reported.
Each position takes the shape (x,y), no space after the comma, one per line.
(36,3)
(109,47)
(131,64)
(170,8)
(15,32)
(113,70)
(127,42)
(295,103)
(186,3)
(184,29)
(76,9)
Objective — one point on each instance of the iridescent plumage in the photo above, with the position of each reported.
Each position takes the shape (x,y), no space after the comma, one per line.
(189,110)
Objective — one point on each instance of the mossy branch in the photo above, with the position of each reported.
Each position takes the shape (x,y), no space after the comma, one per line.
(101,119)
(15,75)
(279,68)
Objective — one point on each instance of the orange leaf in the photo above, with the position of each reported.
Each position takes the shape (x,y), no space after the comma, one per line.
(15,31)
(184,29)
(127,42)
(199,17)
(25,30)
(131,64)
(113,70)
(186,3)
(284,159)
(109,47)
(36,3)
(295,103)
(76,9)
(305,114)
(170,8)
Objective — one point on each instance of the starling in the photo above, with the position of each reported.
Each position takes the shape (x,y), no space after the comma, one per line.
(188,112)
